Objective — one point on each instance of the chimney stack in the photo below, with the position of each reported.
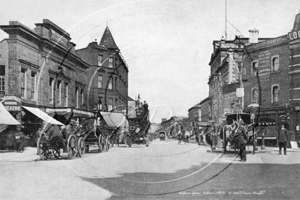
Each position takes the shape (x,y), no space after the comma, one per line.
(253,38)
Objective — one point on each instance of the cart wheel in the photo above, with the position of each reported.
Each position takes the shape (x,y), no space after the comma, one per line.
(38,148)
(100,143)
(128,141)
(80,147)
(71,147)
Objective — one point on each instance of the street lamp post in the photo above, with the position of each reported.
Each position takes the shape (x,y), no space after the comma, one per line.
(253,106)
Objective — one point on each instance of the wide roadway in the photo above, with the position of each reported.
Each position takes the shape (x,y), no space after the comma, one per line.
(164,170)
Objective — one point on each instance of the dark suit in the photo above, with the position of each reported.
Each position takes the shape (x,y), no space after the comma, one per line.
(282,139)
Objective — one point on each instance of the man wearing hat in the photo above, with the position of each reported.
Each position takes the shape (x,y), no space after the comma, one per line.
(282,139)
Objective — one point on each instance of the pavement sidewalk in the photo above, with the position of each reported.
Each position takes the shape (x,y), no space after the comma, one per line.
(267,156)
(29,154)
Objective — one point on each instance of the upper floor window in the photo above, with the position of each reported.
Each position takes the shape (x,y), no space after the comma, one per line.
(82,97)
(51,90)
(33,85)
(275,94)
(110,84)
(275,63)
(254,68)
(110,104)
(100,79)
(116,83)
(66,94)
(100,57)
(2,79)
(110,62)
(77,97)
(23,82)
(59,92)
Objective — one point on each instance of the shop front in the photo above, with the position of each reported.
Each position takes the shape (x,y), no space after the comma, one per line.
(268,124)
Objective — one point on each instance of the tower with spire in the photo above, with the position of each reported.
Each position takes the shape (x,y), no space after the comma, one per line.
(108,74)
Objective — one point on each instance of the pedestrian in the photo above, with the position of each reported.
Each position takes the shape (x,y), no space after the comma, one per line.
(282,139)
(187,135)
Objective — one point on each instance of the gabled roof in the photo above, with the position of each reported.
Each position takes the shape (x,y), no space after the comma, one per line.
(107,40)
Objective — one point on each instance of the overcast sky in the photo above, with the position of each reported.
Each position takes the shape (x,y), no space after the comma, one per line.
(167,44)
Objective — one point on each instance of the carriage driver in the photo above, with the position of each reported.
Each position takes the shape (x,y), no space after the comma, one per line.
(55,138)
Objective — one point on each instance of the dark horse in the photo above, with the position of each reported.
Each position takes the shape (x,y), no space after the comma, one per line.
(238,135)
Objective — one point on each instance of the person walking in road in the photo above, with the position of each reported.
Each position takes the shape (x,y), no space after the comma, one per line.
(282,139)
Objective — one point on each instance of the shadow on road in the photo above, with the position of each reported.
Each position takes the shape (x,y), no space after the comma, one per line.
(224,181)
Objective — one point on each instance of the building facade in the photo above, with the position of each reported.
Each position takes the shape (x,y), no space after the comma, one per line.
(41,68)
(258,71)
(108,74)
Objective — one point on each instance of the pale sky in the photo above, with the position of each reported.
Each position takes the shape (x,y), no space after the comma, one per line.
(167,44)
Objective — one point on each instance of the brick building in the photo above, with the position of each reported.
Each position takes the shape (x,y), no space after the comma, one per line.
(41,68)
(108,74)
(268,70)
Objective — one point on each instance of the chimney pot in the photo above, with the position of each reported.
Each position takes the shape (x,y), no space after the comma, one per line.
(253,38)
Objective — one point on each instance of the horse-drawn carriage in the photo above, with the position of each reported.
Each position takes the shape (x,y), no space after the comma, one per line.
(138,132)
(238,131)
(79,132)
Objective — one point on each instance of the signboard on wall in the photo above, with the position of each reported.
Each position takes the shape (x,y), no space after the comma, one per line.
(11,103)
(264,63)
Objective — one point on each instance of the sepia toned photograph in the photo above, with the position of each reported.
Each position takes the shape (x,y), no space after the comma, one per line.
(149,99)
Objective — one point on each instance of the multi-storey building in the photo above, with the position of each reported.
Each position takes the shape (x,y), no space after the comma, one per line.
(40,69)
(268,71)
(108,74)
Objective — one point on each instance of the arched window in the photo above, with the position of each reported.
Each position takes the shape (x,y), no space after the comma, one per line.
(275,64)
(275,94)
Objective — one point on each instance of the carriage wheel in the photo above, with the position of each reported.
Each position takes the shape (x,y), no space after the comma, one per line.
(71,146)
(100,143)
(128,140)
(80,147)
(42,150)
(106,143)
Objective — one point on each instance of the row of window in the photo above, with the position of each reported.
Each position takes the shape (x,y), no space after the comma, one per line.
(63,93)
(32,81)
(110,61)
(274,65)
(112,103)
(274,94)
(110,83)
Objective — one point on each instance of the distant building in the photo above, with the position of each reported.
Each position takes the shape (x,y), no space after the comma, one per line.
(108,74)
(200,114)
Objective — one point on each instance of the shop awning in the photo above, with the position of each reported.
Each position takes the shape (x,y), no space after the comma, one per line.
(115,120)
(67,111)
(6,118)
(42,115)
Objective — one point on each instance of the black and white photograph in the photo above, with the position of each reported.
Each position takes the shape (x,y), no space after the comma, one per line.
(149,99)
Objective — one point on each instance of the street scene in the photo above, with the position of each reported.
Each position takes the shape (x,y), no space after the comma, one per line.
(150,99)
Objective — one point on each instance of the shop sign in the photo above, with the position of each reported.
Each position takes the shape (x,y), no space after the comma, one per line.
(283,117)
(56,37)
(294,35)
(11,103)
